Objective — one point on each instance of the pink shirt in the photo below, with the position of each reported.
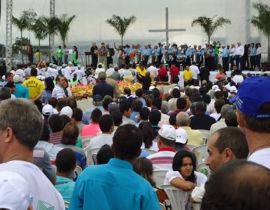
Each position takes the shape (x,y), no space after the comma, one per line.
(91,130)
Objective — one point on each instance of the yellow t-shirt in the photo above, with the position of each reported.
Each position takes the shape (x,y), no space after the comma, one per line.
(141,72)
(35,86)
(187,75)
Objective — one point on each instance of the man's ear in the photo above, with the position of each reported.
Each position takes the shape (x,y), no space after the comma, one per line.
(7,135)
(240,119)
(228,154)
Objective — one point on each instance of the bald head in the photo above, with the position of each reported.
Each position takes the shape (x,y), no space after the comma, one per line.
(227,188)
(182,119)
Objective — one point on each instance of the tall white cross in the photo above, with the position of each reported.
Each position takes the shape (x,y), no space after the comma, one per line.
(167,30)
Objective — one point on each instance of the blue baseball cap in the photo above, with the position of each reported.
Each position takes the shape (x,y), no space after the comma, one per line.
(252,94)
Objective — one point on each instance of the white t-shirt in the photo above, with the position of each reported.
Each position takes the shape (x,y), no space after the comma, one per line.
(58,92)
(152,70)
(98,70)
(238,79)
(100,140)
(218,125)
(80,73)
(43,192)
(110,71)
(170,175)
(215,115)
(261,157)
(52,72)
(67,72)
(195,71)
(258,51)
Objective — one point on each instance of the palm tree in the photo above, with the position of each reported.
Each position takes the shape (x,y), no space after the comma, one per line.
(262,21)
(25,21)
(63,27)
(210,25)
(21,24)
(30,17)
(120,24)
(40,30)
(51,23)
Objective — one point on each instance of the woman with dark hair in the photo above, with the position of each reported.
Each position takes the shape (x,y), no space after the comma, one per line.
(47,92)
(148,136)
(183,175)
(144,167)
(66,88)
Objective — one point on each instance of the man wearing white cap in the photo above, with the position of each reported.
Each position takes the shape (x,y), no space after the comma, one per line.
(162,160)
(181,139)
(20,91)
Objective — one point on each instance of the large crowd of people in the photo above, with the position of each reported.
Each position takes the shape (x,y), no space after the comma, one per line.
(47,140)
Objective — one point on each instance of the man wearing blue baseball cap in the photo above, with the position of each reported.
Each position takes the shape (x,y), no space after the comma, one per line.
(253,116)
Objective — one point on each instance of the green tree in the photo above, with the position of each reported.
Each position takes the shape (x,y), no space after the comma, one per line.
(63,27)
(22,25)
(52,23)
(262,21)
(17,45)
(210,25)
(121,24)
(40,30)
(30,17)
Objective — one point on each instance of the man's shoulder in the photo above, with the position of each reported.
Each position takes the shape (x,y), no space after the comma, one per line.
(261,157)
(161,154)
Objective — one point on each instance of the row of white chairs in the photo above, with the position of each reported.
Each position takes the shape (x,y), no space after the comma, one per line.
(179,199)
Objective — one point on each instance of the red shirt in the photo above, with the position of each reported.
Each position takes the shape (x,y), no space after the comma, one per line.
(174,72)
(162,72)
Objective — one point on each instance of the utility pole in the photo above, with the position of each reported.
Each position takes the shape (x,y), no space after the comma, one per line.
(247,21)
(51,36)
(9,34)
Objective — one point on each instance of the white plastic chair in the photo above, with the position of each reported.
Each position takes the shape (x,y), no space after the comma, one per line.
(203,168)
(201,154)
(91,155)
(159,176)
(178,198)
(205,136)
(86,141)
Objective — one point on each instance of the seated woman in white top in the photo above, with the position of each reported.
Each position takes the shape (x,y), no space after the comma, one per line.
(183,175)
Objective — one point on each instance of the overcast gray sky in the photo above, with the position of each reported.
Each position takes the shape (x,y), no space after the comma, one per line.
(91,15)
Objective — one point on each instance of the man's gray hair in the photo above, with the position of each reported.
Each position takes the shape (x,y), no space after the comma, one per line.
(182,119)
(225,108)
(23,118)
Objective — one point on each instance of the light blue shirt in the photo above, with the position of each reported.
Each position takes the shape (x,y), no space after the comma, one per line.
(21,91)
(65,187)
(148,51)
(113,186)
(253,51)
(225,53)
(188,52)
